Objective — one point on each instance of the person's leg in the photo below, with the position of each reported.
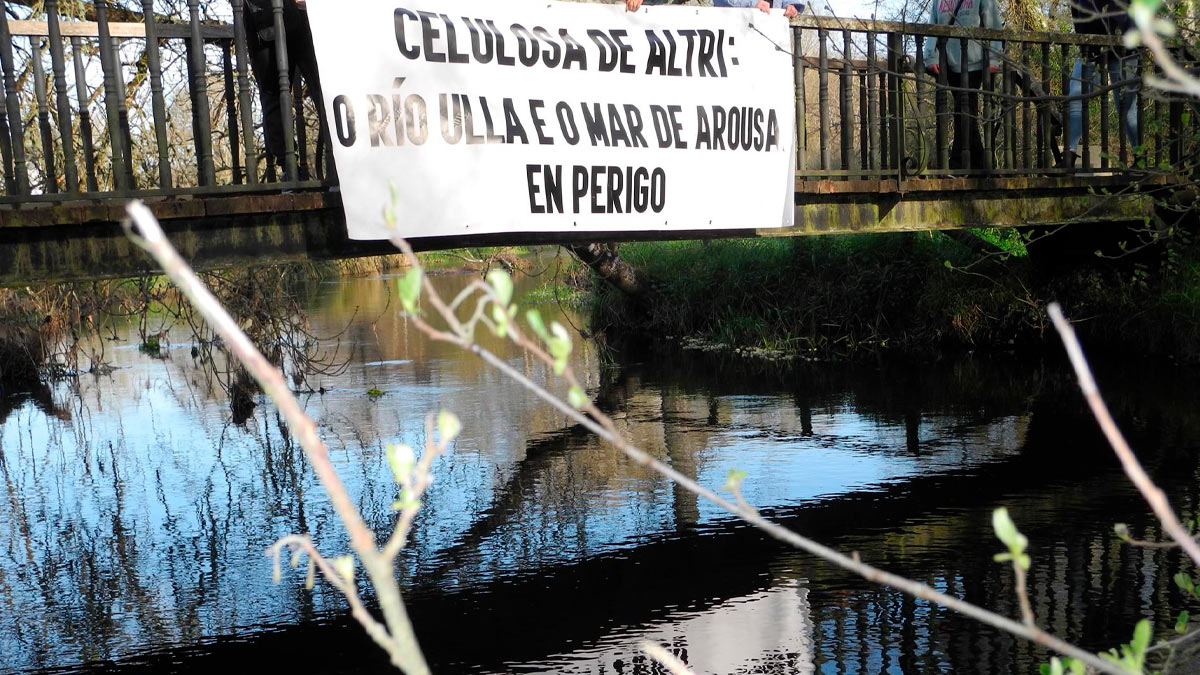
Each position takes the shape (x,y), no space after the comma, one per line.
(1125,98)
(266,73)
(1075,108)
(979,155)
(306,61)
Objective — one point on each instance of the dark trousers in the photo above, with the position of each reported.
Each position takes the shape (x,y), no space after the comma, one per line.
(966,123)
(302,62)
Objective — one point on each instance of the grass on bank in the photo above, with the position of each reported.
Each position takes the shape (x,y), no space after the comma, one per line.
(924,292)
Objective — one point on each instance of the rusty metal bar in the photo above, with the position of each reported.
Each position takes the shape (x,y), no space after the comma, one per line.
(881,86)
(231,119)
(864,148)
(962,111)
(248,142)
(154,63)
(285,93)
(200,109)
(62,95)
(985,106)
(301,131)
(942,97)
(1027,114)
(1044,147)
(1065,71)
(801,116)
(123,116)
(85,116)
(1009,121)
(896,110)
(112,94)
(50,179)
(823,95)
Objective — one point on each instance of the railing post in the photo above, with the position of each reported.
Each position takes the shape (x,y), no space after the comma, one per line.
(1027,114)
(872,118)
(919,76)
(864,146)
(1010,111)
(844,109)
(896,119)
(123,116)
(823,95)
(154,62)
(1105,80)
(231,119)
(58,67)
(43,114)
(200,109)
(801,121)
(986,87)
(964,125)
(942,97)
(1085,108)
(1066,70)
(85,115)
(248,144)
(12,105)
(112,93)
(285,93)
(1047,156)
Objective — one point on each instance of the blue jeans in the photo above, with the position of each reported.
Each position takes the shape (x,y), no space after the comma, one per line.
(1124,98)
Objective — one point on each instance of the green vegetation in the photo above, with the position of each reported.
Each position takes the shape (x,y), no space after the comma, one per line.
(922,293)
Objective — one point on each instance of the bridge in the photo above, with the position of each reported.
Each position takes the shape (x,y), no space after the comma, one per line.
(98,111)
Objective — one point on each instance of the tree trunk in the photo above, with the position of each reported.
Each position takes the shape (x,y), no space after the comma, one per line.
(605,261)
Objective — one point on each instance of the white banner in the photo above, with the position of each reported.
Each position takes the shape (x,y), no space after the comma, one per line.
(525,116)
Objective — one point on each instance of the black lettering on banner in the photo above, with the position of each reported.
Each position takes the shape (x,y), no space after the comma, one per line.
(452,130)
(772,129)
(575,53)
(469,122)
(482,44)
(658,190)
(553,52)
(343,120)
(690,36)
(641,189)
(452,53)
(535,111)
(703,131)
(398,110)
(616,127)
(551,187)
(489,131)
(379,118)
(579,186)
(633,119)
(566,124)
(428,35)
(616,185)
(677,126)
(597,206)
(662,129)
(718,127)
(708,51)
(609,56)
(735,128)
(532,170)
(595,124)
(672,69)
(414,118)
(618,37)
(408,52)
(512,124)
(658,55)
(501,58)
(758,130)
(527,45)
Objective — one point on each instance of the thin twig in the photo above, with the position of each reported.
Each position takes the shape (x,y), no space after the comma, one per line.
(666,658)
(1153,495)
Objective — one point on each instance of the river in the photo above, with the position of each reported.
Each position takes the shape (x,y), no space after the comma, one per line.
(136,508)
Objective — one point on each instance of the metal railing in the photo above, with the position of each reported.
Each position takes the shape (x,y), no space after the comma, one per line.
(869,106)
(168,107)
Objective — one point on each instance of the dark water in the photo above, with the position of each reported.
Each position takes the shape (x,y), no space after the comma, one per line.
(135,511)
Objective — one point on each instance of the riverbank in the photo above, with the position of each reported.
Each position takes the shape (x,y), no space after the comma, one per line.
(921,294)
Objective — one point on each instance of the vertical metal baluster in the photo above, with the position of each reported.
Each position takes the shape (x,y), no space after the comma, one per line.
(43,114)
(922,106)
(1047,157)
(1105,80)
(1174,127)
(963,114)
(12,105)
(154,62)
(301,132)
(943,105)
(123,116)
(985,104)
(6,152)
(1065,68)
(85,115)
(200,109)
(58,67)
(884,143)
(896,126)
(801,116)
(285,92)
(872,119)
(1137,146)
(231,119)
(247,110)
(844,110)
(1027,116)
(1085,108)
(864,148)
(823,95)
(1009,123)
(112,93)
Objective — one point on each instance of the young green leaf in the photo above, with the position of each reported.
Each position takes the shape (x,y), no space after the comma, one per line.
(1185,581)
(345,567)
(502,285)
(1181,623)
(448,425)
(409,287)
(733,481)
(577,398)
(559,346)
(534,318)
(402,459)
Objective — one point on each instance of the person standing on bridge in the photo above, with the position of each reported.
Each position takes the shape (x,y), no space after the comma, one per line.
(302,60)
(1101,17)
(968,14)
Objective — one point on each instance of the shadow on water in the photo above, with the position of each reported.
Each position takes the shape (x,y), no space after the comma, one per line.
(135,528)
